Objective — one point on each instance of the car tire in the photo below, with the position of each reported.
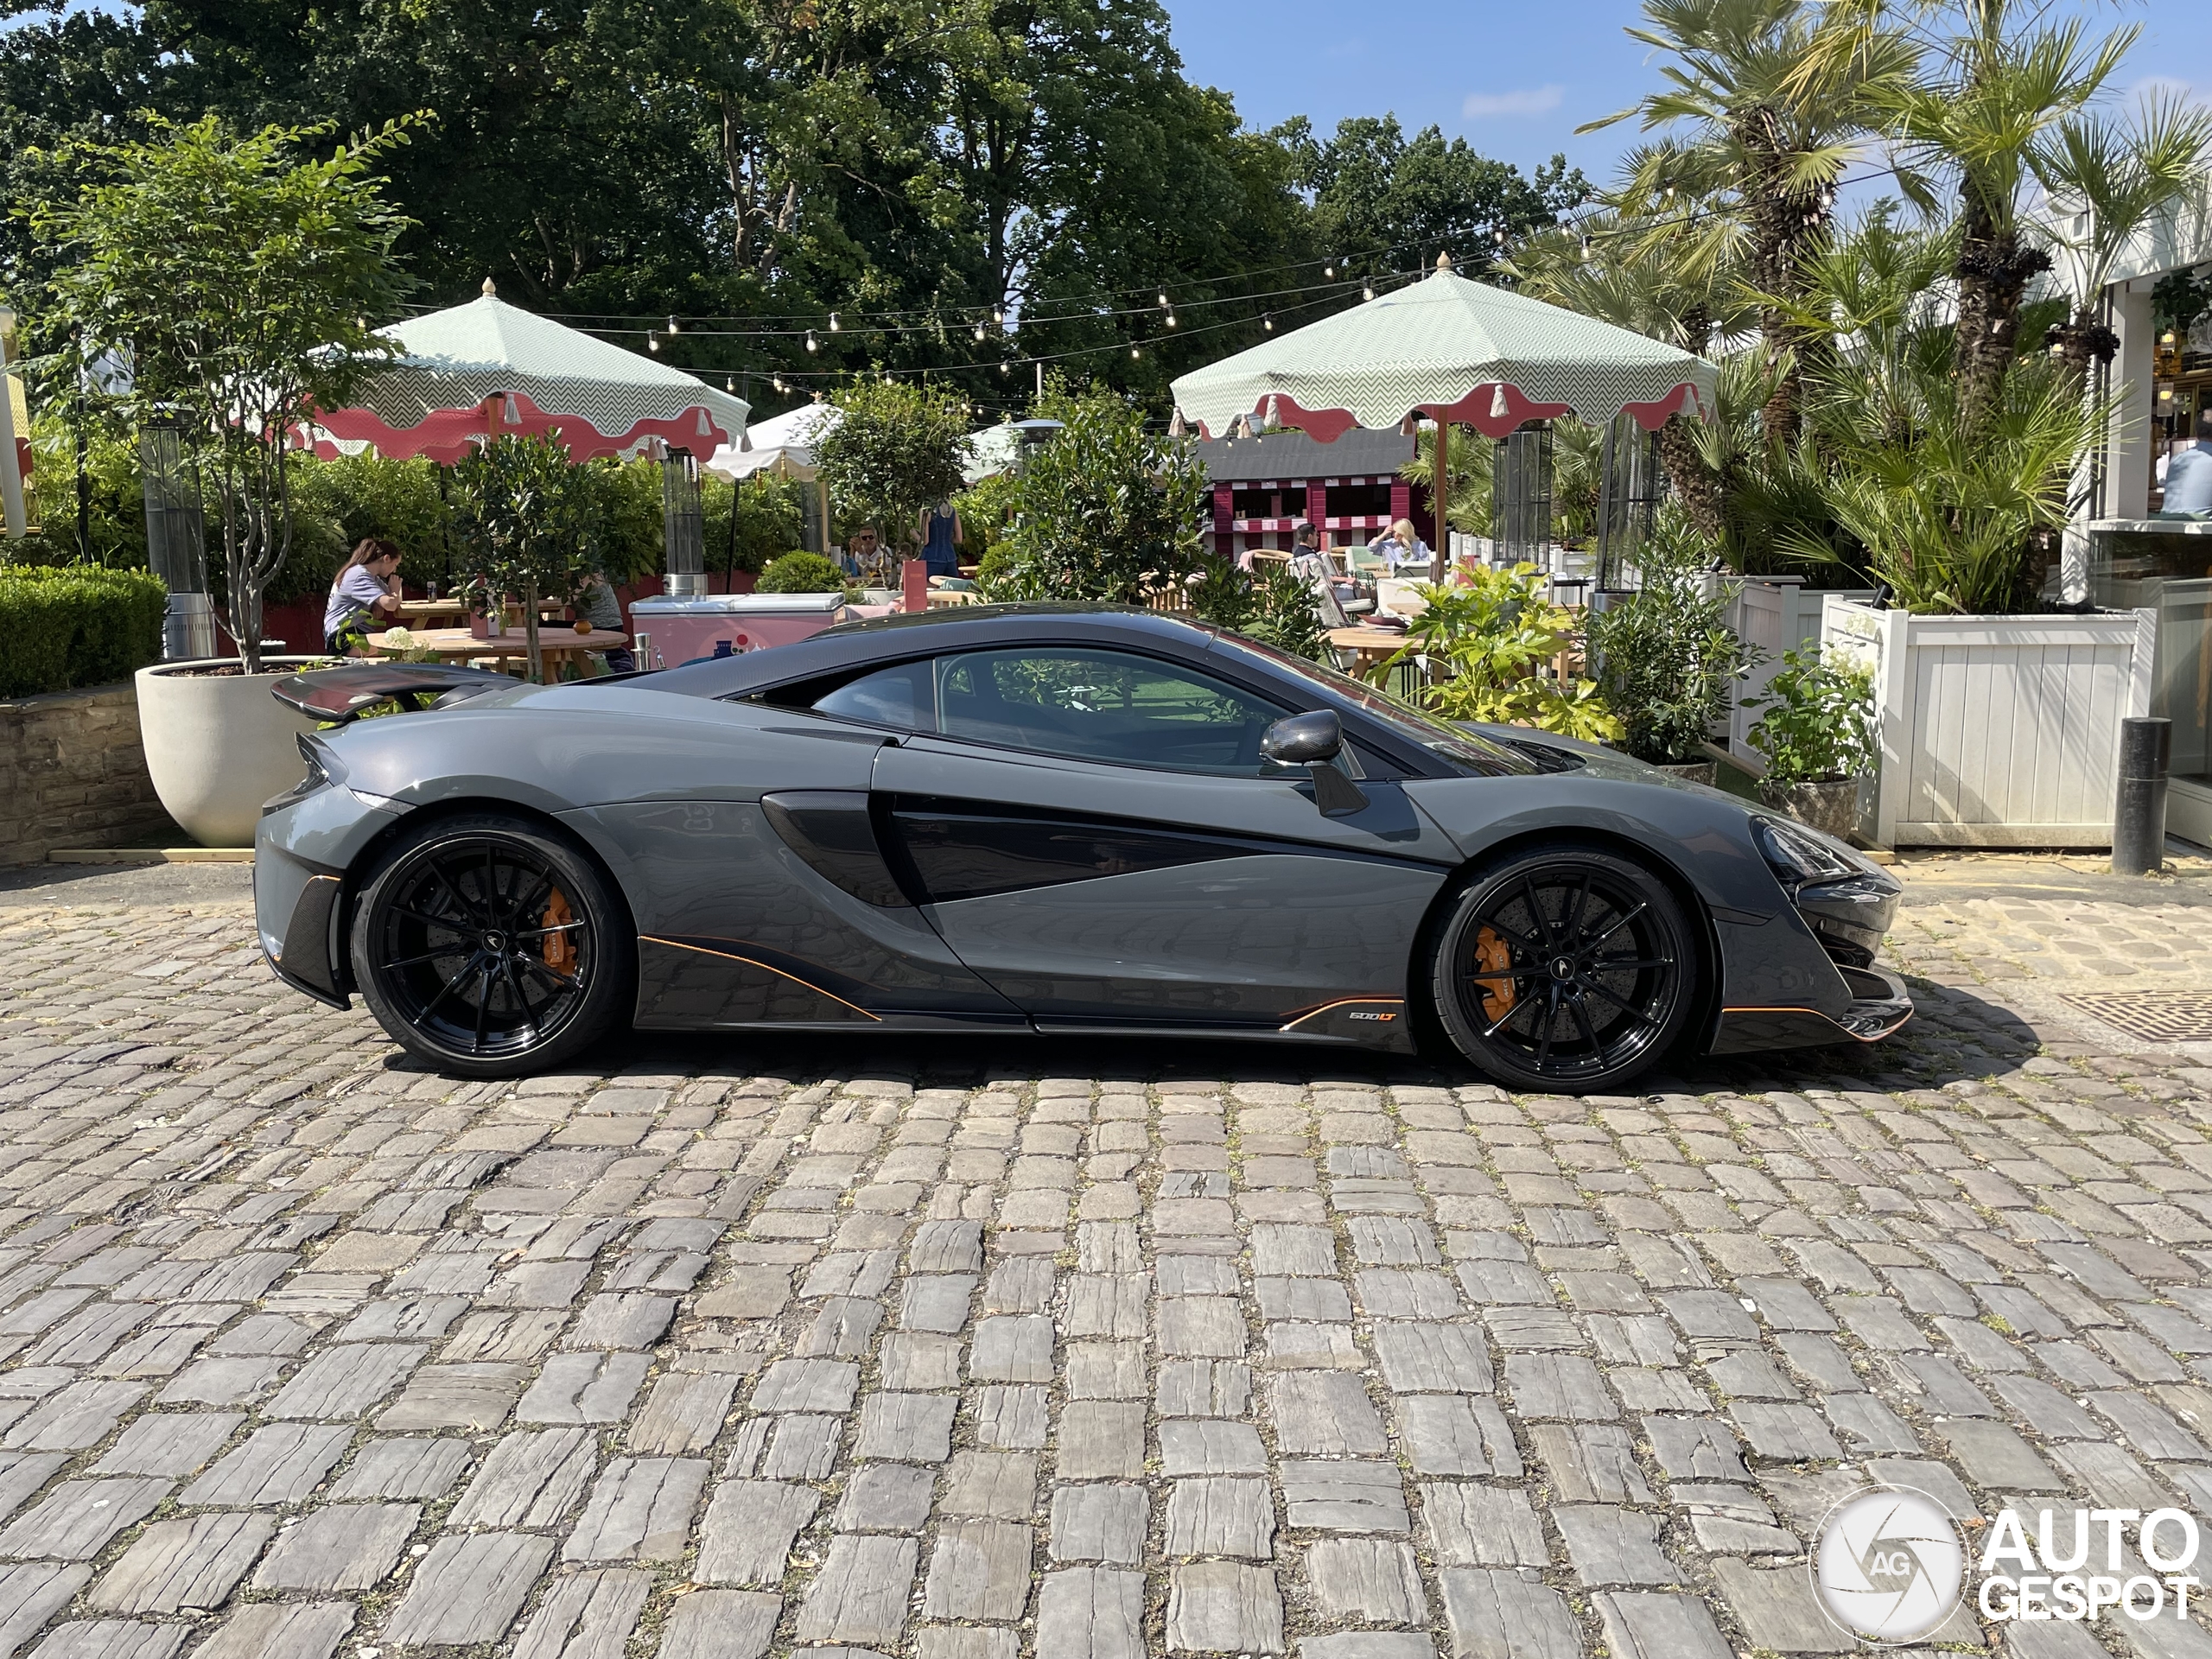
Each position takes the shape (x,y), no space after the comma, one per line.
(1569,970)
(490,946)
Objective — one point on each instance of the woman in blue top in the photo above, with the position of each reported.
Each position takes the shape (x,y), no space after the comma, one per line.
(941,533)
(366,595)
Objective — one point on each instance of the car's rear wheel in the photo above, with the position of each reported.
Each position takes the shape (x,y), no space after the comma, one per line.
(489,947)
(1570,970)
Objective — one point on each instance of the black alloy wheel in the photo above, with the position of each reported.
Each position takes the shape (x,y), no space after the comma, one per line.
(1570,969)
(490,948)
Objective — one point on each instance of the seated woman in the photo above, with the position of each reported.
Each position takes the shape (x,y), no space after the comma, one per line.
(365,595)
(1400,546)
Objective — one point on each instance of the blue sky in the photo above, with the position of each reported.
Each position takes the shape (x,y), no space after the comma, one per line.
(1515,78)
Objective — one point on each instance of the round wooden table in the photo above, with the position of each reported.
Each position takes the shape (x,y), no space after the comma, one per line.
(555,645)
(454,610)
(1368,646)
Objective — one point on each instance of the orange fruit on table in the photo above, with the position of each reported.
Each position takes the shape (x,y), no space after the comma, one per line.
(583,624)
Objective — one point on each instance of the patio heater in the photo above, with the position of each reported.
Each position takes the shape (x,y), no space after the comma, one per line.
(1632,484)
(175,540)
(1521,496)
(683,532)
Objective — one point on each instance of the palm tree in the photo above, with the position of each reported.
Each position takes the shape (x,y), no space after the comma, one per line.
(2108,185)
(1972,96)
(1768,138)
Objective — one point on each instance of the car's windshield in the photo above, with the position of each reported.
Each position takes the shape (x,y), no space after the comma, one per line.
(1465,749)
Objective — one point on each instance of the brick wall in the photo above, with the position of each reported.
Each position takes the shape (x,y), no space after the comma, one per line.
(73,774)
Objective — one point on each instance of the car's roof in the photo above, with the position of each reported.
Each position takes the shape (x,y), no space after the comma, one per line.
(887,639)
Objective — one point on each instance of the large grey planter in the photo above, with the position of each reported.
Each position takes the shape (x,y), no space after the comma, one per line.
(1833,808)
(218,744)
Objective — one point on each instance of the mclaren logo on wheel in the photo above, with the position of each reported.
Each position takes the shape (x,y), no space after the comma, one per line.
(1889,1566)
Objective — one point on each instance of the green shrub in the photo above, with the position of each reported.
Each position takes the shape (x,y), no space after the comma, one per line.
(1818,727)
(62,626)
(800,573)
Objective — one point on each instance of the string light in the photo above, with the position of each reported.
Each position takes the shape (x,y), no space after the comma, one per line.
(836,327)
(652,340)
(1268,322)
(998,314)
(1170,319)
(1163,299)
(812,344)
(674,328)
(1329,269)
(979,333)
(1367,291)
(1136,351)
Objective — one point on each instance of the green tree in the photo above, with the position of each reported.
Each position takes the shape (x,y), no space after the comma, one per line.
(897,449)
(525,520)
(1107,511)
(236,277)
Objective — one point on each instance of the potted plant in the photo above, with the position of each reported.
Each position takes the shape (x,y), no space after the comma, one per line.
(525,521)
(1664,658)
(1492,639)
(1817,734)
(226,284)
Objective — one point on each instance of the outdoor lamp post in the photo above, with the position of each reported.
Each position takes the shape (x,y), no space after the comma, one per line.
(175,540)
(682,531)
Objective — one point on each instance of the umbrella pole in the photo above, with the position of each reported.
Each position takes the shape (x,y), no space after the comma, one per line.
(1439,556)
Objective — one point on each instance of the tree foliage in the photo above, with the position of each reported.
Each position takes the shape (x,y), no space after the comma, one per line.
(231,281)
(524,519)
(898,449)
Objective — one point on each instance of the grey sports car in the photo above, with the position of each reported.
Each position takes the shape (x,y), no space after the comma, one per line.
(1039,818)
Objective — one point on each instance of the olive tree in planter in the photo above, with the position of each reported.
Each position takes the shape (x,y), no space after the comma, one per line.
(897,449)
(1664,658)
(1816,731)
(236,278)
(524,519)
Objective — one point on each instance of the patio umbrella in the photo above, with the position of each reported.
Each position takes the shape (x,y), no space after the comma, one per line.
(476,371)
(782,445)
(1453,351)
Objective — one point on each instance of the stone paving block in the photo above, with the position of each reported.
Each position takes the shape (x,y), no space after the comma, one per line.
(585,1616)
(280,1630)
(843,1330)
(1558,1386)
(918,1361)
(1103,1440)
(819,1385)
(402,1318)
(1783,1434)
(1104,1523)
(169,1443)
(1091,1612)
(1105,1371)
(1610,1545)
(469,1590)
(1203,1447)
(74,1522)
(1221,1607)
(174,1565)
(911,1427)
(682,1413)
(475,1397)
(1588,1463)
(803,1447)
(998,1485)
(82,1415)
(1307,1300)
(1202,1387)
(1370,1579)
(1479,1526)
(946,1247)
(748,1536)
(583,1389)
(720,1625)
(31,1593)
(1324,1414)
(1343,1497)
(1421,1357)
(344,1547)
(639,1510)
(531,1479)
(1507,1614)
(1776,1609)
(980,1570)
(111,1638)
(403,1468)
(1367,1644)
(227,1381)
(281,1464)
(345,1382)
(886,1498)
(1646,1625)
(860,1593)
(1868,1425)
(1458,1434)
(1221,1516)
(935,1302)
(1011,1416)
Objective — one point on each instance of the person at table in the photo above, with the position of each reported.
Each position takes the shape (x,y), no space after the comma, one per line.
(597,604)
(1398,546)
(941,532)
(2189,476)
(365,595)
(860,552)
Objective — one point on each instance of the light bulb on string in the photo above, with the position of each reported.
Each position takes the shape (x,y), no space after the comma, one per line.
(1003,369)
(1585,247)
(998,314)
(836,327)
(674,328)
(1170,319)
(652,340)
(1268,322)
(1135,352)
(1367,291)
(979,333)
(1163,299)
(1329,269)
(812,344)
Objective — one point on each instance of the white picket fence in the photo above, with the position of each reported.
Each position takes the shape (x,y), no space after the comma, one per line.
(1996,731)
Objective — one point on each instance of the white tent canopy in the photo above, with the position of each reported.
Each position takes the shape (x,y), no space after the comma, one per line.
(782,444)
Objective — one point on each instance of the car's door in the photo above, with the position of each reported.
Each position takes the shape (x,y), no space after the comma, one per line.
(1094,832)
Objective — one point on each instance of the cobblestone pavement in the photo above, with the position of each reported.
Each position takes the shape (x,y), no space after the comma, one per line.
(742,1348)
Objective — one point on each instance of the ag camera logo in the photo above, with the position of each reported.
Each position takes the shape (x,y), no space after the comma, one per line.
(1890,1565)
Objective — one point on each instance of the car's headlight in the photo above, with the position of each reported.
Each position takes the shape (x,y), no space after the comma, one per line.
(1798,855)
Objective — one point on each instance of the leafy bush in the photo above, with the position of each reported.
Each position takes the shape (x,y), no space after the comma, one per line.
(63,627)
(1497,640)
(1270,604)
(1819,723)
(800,573)
(898,449)
(1664,657)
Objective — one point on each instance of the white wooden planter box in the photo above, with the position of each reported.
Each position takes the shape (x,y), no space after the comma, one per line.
(1996,731)
(1772,615)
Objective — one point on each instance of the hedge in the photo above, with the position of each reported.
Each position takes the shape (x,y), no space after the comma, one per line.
(69,625)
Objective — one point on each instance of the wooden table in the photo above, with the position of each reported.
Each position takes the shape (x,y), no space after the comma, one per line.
(1369,646)
(428,612)
(555,646)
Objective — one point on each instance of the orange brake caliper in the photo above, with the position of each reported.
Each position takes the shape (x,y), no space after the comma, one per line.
(560,948)
(1493,961)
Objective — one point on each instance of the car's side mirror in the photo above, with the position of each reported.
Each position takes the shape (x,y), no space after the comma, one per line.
(1314,740)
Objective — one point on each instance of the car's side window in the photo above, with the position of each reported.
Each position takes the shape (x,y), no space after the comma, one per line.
(902,697)
(1103,705)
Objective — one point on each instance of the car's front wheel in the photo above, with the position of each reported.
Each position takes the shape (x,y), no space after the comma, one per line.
(489,947)
(1570,970)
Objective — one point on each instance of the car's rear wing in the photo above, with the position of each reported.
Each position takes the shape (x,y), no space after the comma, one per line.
(346,692)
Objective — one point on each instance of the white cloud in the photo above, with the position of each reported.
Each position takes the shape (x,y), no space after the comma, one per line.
(1529,100)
